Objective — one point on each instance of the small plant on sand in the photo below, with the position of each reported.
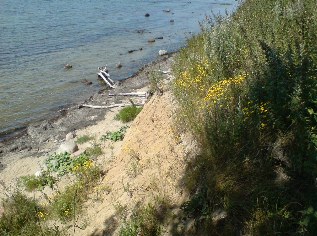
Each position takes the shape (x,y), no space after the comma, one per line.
(144,221)
(59,163)
(66,205)
(93,152)
(23,216)
(116,135)
(84,139)
(128,114)
(64,163)
(32,182)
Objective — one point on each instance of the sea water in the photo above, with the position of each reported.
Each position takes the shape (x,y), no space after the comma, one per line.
(38,37)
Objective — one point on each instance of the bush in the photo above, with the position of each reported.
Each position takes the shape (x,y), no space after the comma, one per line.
(145,221)
(247,89)
(23,216)
(128,114)
(66,205)
(32,182)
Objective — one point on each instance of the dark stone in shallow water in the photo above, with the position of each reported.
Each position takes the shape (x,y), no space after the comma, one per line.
(147,15)
(86,82)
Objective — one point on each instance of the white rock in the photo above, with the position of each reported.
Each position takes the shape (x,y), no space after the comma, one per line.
(162,52)
(70,136)
(68,146)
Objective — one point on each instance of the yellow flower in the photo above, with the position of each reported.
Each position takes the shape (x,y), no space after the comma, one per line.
(41,215)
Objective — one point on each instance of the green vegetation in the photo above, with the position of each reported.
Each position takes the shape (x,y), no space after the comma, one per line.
(93,152)
(64,163)
(128,114)
(247,87)
(156,82)
(32,182)
(116,135)
(60,163)
(144,221)
(84,139)
(67,204)
(23,216)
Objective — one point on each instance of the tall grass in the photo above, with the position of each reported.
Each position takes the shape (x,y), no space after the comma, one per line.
(247,88)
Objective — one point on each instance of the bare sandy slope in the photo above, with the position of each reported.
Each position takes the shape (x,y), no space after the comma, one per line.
(147,166)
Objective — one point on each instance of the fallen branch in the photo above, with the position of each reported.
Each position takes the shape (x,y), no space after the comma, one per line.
(136,94)
(110,106)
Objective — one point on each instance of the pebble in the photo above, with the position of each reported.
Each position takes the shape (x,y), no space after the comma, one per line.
(162,52)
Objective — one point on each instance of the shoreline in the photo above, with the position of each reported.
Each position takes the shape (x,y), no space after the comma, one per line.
(56,114)
(41,137)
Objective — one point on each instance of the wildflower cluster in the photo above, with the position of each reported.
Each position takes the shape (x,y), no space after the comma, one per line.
(193,77)
(260,110)
(41,215)
(220,89)
(80,167)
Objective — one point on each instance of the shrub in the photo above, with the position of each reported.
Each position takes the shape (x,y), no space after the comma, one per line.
(247,90)
(32,182)
(66,205)
(128,114)
(145,221)
(23,216)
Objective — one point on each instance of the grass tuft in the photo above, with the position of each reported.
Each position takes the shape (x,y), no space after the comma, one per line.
(84,139)
(128,114)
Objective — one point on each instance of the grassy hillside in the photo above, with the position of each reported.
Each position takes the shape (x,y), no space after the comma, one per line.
(247,86)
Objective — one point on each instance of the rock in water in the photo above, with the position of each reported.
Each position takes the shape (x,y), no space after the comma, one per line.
(162,52)
(68,146)
(147,15)
(119,65)
(68,66)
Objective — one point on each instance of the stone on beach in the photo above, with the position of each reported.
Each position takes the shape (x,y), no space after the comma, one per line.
(70,136)
(68,146)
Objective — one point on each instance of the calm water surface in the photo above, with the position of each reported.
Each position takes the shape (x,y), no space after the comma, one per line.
(39,36)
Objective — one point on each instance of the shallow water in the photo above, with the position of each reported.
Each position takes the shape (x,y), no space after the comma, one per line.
(39,36)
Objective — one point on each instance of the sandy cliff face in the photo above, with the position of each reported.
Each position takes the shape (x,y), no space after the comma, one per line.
(148,166)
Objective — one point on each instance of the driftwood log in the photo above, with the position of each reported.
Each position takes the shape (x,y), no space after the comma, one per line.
(112,106)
